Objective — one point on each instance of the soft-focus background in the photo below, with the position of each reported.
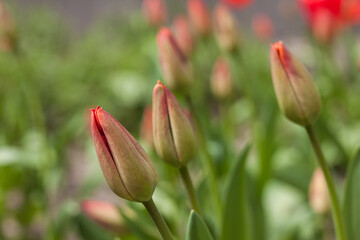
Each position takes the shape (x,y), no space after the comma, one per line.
(75,55)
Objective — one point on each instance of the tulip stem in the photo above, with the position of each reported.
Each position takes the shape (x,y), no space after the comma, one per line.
(185,176)
(339,226)
(209,163)
(158,220)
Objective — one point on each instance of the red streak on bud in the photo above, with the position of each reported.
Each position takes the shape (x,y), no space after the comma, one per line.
(284,58)
(100,129)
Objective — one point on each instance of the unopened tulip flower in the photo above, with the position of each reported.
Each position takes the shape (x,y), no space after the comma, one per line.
(221,79)
(127,168)
(225,28)
(183,34)
(105,215)
(262,27)
(7,29)
(199,18)
(175,66)
(295,89)
(318,193)
(146,131)
(155,12)
(174,136)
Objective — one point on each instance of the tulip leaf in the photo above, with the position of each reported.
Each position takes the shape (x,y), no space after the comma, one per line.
(236,218)
(352,198)
(197,229)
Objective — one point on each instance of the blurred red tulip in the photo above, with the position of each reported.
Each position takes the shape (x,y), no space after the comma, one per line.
(237,3)
(199,17)
(7,30)
(262,27)
(155,12)
(328,17)
(183,34)
(225,28)
(146,131)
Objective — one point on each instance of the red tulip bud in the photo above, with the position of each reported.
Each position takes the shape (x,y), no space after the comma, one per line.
(174,64)
(106,215)
(318,193)
(174,136)
(183,34)
(295,89)
(324,26)
(155,12)
(127,168)
(7,30)
(221,79)
(262,27)
(225,28)
(199,17)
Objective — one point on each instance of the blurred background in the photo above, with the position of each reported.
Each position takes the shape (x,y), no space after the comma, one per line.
(71,56)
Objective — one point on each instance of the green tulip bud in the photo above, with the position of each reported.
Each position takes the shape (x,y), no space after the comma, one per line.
(296,92)
(174,137)
(127,168)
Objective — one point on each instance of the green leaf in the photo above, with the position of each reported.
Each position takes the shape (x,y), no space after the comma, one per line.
(197,229)
(236,218)
(352,198)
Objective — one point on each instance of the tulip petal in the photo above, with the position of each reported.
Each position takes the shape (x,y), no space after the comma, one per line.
(134,166)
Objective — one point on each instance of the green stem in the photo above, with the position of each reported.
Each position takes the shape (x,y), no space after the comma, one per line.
(339,226)
(185,176)
(158,220)
(208,158)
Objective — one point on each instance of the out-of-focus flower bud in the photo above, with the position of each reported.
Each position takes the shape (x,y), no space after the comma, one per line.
(225,28)
(183,34)
(221,79)
(262,27)
(324,26)
(318,193)
(106,215)
(174,64)
(146,130)
(7,30)
(174,136)
(295,89)
(127,168)
(155,12)
(199,18)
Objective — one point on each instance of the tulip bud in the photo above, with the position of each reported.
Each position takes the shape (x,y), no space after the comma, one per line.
(295,89)
(183,34)
(262,27)
(221,79)
(146,131)
(318,193)
(127,169)
(225,28)
(199,18)
(174,64)
(7,30)
(105,215)
(155,12)
(174,136)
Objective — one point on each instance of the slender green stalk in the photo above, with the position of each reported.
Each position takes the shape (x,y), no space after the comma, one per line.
(185,176)
(158,220)
(209,160)
(339,225)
